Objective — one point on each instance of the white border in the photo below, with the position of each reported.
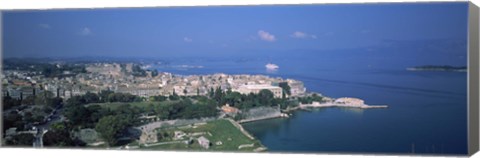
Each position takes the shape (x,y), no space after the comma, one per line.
(77,153)
(70,4)
(58,4)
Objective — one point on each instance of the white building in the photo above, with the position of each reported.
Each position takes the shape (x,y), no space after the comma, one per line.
(296,87)
(204,142)
(256,88)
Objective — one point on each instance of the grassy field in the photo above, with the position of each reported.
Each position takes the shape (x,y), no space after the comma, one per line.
(220,130)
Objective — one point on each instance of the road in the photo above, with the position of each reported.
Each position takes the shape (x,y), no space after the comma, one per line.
(54,117)
(38,143)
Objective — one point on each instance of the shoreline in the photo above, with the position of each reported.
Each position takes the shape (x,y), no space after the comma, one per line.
(326,105)
(285,113)
(281,115)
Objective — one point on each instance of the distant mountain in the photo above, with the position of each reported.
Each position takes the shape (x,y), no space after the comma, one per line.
(438,68)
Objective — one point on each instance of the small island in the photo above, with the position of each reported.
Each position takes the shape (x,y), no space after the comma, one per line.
(438,68)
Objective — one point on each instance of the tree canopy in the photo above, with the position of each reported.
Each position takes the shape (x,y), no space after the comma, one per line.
(110,128)
(58,135)
(285,87)
(23,139)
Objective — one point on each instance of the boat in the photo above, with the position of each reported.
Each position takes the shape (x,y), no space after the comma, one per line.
(271,66)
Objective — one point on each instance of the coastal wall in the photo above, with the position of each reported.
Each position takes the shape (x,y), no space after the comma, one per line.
(261,113)
(261,118)
(332,104)
(239,127)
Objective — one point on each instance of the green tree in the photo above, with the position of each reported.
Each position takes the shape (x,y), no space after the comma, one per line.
(174,96)
(163,112)
(158,98)
(9,102)
(96,113)
(233,98)
(41,98)
(58,136)
(13,119)
(103,95)
(75,101)
(154,73)
(211,92)
(30,100)
(53,102)
(28,117)
(110,127)
(265,97)
(285,87)
(91,97)
(123,97)
(46,109)
(78,115)
(317,98)
(219,96)
(138,71)
(23,139)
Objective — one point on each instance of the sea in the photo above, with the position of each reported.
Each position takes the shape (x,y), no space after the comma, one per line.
(427,111)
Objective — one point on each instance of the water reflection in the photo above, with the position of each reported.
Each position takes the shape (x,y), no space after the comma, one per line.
(271,71)
(352,110)
(272,125)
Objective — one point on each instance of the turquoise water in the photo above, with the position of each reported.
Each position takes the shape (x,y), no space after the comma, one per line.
(427,111)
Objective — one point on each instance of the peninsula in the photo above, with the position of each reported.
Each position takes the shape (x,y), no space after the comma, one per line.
(438,68)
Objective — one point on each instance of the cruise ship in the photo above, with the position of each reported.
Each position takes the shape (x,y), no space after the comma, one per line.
(271,66)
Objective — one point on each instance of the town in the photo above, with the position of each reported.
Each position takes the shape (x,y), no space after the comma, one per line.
(76,104)
(125,105)
(130,78)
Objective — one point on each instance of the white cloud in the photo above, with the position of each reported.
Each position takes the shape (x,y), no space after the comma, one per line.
(299,34)
(266,36)
(86,31)
(186,39)
(44,26)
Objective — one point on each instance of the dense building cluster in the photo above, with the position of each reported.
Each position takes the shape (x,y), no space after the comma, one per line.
(120,78)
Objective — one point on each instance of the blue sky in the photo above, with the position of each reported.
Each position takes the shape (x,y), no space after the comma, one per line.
(194,31)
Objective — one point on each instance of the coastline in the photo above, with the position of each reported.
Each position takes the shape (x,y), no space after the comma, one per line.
(247,134)
(326,105)
(285,113)
(281,115)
